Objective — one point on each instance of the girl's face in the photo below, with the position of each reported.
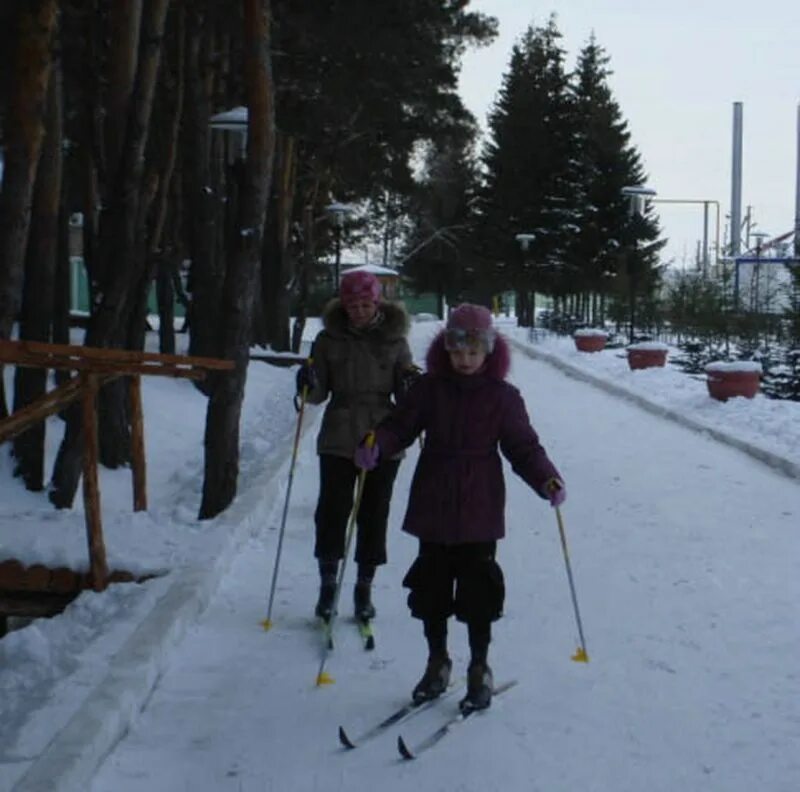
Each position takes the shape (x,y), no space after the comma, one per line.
(467,360)
(361,312)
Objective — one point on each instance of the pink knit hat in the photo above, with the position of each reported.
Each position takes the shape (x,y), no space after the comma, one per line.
(359,285)
(470,325)
(470,317)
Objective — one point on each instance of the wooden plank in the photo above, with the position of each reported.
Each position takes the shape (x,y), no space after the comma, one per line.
(279,360)
(138,460)
(91,485)
(33,604)
(10,349)
(43,407)
(28,360)
(39,409)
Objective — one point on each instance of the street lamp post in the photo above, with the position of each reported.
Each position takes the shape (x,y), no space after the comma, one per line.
(637,196)
(525,240)
(337,211)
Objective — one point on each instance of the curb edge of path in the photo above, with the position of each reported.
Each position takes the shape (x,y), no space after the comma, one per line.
(769,458)
(71,759)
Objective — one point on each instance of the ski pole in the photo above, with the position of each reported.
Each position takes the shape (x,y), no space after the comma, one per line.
(267,623)
(580,655)
(322,677)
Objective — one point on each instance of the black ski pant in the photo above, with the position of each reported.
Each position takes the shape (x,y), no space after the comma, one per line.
(337,480)
(462,579)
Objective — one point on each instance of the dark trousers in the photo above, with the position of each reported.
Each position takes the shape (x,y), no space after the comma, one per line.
(464,580)
(337,480)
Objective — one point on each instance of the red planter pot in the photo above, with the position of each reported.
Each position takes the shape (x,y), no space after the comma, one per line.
(724,385)
(646,358)
(590,343)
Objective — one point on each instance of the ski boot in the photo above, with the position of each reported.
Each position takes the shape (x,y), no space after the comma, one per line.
(327,590)
(362,601)
(480,684)
(435,680)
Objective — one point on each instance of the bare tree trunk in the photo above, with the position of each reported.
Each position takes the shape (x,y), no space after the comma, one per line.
(224,409)
(165,296)
(37,298)
(168,120)
(122,234)
(278,267)
(62,286)
(303,277)
(125,20)
(203,219)
(30,72)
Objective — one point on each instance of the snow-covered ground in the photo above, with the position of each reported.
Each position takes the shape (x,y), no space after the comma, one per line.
(684,552)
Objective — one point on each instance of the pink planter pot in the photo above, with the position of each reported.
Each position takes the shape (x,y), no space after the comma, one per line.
(646,358)
(590,343)
(724,385)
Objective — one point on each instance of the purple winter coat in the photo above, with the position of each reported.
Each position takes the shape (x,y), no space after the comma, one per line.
(458,491)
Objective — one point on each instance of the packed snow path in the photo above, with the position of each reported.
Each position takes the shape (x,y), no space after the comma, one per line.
(684,553)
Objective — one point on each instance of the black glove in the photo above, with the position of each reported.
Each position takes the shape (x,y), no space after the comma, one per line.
(306,377)
(409,376)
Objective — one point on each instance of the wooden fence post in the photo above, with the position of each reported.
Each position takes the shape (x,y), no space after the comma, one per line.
(138,461)
(91,486)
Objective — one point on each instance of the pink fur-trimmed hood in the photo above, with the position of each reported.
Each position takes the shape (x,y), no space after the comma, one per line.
(497,365)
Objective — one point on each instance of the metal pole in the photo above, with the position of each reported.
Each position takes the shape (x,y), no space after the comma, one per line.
(705,202)
(797,193)
(705,238)
(736,182)
(338,257)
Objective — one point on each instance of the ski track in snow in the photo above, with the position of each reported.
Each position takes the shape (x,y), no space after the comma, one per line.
(684,553)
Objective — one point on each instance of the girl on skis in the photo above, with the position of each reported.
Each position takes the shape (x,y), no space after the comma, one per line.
(361,360)
(456,506)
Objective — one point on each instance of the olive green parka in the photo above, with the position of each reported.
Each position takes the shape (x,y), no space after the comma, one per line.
(361,370)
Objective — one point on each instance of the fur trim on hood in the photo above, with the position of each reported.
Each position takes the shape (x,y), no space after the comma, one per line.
(497,364)
(394,324)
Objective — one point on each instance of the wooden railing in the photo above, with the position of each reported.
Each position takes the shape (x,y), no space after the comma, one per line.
(95,368)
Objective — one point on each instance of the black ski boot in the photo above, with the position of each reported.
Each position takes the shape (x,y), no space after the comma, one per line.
(362,601)
(327,589)
(435,680)
(362,593)
(479,687)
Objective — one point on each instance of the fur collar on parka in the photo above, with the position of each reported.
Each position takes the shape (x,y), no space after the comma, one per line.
(496,367)
(393,326)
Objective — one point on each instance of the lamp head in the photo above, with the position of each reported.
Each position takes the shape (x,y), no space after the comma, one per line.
(525,240)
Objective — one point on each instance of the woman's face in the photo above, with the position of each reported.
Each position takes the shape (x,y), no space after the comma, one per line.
(467,360)
(361,312)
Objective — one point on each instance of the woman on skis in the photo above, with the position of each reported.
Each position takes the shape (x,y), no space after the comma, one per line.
(361,360)
(456,506)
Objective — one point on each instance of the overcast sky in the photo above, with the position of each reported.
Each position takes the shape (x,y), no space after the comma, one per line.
(678,68)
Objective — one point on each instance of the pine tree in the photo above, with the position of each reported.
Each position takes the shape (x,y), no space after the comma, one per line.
(439,253)
(529,184)
(605,242)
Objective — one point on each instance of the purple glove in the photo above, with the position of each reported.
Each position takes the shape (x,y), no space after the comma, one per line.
(556,492)
(366,456)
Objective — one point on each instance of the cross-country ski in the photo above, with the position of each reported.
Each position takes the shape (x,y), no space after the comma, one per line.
(436,736)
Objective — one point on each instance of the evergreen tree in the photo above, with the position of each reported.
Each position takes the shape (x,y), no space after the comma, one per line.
(610,250)
(529,185)
(439,253)
(361,84)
